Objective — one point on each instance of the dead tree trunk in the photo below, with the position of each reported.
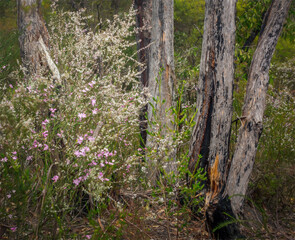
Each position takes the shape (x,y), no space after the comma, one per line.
(254,105)
(158,78)
(211,134)
(31,27)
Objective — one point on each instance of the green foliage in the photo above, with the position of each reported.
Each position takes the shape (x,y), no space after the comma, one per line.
(276,152)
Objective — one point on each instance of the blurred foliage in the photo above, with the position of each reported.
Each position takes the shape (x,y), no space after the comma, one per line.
(273,178)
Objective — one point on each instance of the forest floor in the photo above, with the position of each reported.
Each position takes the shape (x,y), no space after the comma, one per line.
(144,220)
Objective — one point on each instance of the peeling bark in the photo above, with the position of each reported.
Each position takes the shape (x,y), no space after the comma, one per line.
(158,77)
(211,134)
(31,27)
(215,91)
(254,105)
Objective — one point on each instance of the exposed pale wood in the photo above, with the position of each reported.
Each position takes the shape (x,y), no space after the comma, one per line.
(53,68)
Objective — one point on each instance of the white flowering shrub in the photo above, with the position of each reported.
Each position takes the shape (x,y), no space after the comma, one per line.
(77,134)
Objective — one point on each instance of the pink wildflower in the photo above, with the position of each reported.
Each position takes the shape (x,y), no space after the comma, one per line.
(93,101)
(91,139)
(55,178)
(4,159)
(77,153)
(81,116)
(45,134)
(88,236)
(86,149)
(94,111)
(45,147)
(13,229)
(10,85)
(80,140)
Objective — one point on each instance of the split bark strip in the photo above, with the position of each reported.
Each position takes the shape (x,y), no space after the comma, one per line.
(254,105)
(53,68)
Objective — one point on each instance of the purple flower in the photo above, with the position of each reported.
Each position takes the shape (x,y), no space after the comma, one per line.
(45,134)
(76,181)
(55,178)
(4,159)
(94,111)
(81,116)
(45,147)
(14,153)
(91,139)
(13,229)
(86,149)
(77,153)
(88,236)
(8,195)
(93,101)
(80,140)
(52,110)
(10,85)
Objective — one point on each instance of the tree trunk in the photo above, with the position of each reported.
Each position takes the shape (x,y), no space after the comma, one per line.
(143,23)
(158,77)
(211,134)
(254,105)
(31,27)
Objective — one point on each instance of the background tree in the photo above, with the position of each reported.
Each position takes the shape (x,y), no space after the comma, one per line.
(31,27)
(156,44)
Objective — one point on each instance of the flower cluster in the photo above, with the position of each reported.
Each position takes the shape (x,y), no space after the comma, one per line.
(80,132)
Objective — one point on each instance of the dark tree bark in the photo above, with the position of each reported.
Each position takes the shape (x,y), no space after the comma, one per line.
(143,22)
(31,27)
(211,134)
(254,105)
(156,51)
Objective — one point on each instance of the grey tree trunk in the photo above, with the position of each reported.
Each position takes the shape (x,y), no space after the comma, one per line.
(158,77)
(31,27)
(254,105)
(211,134)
